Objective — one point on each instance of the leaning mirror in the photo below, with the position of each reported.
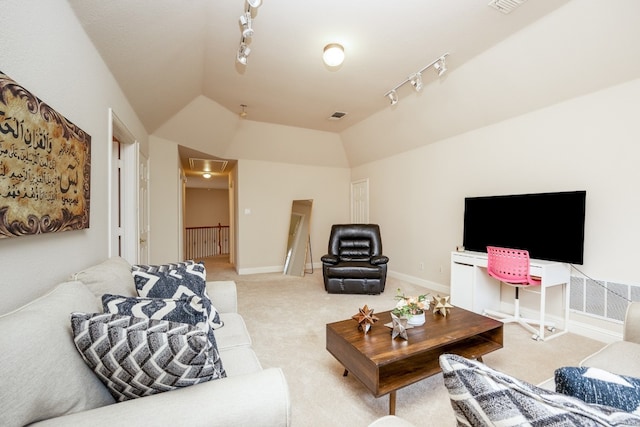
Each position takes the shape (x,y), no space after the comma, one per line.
(298,238)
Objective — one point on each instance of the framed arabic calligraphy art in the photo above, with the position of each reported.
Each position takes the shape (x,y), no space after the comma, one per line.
(45,166)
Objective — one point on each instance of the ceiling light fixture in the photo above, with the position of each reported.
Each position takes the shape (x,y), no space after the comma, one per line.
(246,31)
(333,54)
(206,175)
(245,21)
(393,96)
(439,65)
(416,81)
(243,53)
(243,113)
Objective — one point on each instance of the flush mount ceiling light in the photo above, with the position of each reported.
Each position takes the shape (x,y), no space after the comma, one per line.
(439,65)
(206,175)
(246,31)
(333,54)
(243,113)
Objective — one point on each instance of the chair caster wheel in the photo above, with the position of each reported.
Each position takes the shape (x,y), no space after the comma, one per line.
(551,329)
(536,337)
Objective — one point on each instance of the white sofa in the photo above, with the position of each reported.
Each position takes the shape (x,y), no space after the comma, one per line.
(44,380)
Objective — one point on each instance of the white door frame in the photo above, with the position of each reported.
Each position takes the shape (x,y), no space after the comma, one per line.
(128,192)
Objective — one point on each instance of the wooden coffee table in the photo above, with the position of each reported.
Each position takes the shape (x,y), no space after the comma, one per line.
(384,365)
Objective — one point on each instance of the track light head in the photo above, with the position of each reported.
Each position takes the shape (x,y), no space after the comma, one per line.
(393,97)
(440,66)
(416,81)
(243,54)
(245,21)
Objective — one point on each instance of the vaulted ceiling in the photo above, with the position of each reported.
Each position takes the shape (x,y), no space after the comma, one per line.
(165,53)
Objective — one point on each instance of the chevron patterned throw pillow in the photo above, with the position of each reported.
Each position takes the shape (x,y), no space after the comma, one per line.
(138,357)
(191,310)
(175,280)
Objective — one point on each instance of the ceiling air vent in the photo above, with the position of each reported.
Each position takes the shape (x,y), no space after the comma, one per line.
(505,6)
(207,165)
(337,115)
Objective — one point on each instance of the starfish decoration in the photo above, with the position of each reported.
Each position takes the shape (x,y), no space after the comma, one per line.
(441,305)
(365,318)
(399,327)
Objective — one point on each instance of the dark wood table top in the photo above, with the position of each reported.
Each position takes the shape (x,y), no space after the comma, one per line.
(384,365)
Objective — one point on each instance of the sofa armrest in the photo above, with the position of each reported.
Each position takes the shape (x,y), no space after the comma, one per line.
(257,399)
(224,296)
(632,323)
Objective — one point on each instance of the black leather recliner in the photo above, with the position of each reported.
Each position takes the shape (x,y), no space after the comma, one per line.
(354,264)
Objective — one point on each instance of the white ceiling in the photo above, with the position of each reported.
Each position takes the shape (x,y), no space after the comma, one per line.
(165,53)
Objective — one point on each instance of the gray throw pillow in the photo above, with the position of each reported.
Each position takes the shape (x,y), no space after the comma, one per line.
(190,310)
(175,280)
(137,357)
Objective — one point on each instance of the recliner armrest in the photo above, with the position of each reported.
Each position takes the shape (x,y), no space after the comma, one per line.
(330,259)
(379,259)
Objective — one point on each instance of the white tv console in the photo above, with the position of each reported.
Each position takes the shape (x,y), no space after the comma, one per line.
(473,289)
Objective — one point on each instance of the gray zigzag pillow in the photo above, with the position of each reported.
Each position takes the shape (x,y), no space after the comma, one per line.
(189,310)
(139,357)
(175,280)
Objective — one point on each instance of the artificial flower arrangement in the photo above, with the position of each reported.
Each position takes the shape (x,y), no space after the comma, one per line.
(408,306)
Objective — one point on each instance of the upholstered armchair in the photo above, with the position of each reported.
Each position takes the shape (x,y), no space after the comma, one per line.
(355,264)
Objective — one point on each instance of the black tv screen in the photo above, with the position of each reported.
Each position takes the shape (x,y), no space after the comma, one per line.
(549,225)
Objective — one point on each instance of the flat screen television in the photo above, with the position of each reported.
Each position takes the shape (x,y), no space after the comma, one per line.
(549,225)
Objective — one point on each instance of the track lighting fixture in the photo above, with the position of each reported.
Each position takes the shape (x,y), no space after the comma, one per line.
(439,65)
(393,96)
(247,31)
(243,53)
(243,113)
(245,21)
(416,81)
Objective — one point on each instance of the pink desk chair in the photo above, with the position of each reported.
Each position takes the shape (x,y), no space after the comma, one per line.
(511,266)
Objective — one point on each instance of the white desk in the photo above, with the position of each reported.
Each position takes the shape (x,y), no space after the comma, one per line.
(473,289)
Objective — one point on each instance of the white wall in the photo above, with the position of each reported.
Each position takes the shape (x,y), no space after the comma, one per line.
(266,190)
(44,48)
(165,194)
(588,143)
(276,165)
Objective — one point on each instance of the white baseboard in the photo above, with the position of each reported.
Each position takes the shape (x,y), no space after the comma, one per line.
(258,270)
(438,287)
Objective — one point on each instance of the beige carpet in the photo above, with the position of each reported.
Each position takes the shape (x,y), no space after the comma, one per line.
(286,317)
